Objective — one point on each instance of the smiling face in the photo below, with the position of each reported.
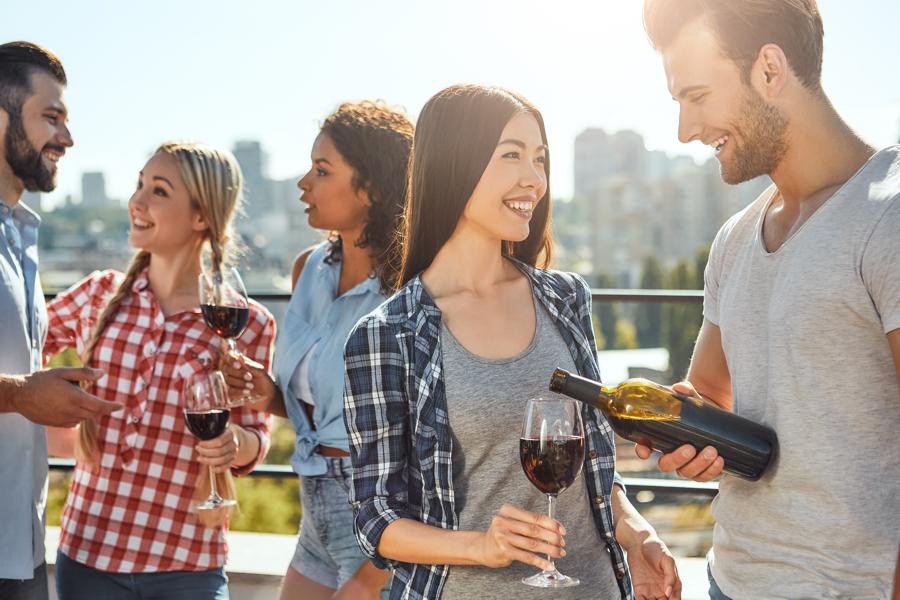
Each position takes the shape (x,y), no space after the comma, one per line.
(512,184)
(720,109)
(163,218)
(34,141)
(333,202)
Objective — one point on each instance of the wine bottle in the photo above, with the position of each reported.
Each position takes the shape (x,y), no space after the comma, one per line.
(653,415)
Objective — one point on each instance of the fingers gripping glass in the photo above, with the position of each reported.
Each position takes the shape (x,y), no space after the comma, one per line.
(226,309)
(206,416)
(551,450)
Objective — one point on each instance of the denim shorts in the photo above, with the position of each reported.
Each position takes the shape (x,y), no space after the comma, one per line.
(75,581)
(714,592)
(327,551)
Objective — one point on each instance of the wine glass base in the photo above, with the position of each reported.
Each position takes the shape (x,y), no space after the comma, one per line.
(210,504)
(551,579)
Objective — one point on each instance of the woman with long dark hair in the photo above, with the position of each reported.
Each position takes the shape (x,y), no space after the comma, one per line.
(437,380)
(354,190)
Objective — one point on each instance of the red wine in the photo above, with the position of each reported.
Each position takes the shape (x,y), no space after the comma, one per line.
(207,425)
(655,416)
(226,321)
(552,464)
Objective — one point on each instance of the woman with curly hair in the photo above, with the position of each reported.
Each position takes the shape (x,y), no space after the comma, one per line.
(355,190)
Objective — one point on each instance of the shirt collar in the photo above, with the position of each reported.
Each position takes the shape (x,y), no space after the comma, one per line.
(141,282)
(20,212)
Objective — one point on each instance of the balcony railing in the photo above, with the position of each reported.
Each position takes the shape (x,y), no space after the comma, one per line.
(634,484)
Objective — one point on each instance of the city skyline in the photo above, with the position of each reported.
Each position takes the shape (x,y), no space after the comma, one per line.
(273,74)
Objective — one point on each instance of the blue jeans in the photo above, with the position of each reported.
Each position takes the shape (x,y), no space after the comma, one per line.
(75,581)
(327,551)
(714,592)
(26,589)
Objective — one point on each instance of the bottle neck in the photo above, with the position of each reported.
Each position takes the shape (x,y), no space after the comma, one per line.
(583,389)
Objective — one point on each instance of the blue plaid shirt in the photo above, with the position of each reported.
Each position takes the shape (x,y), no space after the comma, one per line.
(395,409)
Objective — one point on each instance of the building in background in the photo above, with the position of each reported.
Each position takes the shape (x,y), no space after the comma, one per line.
(639,202)
(93,190)
(273,225)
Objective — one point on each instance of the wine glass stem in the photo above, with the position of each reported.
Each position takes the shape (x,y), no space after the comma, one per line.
(551,512)
(232,347)
(213,492)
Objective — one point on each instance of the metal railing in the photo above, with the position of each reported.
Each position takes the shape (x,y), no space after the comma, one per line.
(597,295)
(634,484)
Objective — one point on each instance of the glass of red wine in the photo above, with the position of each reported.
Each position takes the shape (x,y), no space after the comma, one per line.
(551,450)
(206,415)
(226,309)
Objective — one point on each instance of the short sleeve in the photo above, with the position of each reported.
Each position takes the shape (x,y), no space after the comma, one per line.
(881,266)
(712,276)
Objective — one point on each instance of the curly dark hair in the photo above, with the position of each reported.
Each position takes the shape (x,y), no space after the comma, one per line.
(376,141)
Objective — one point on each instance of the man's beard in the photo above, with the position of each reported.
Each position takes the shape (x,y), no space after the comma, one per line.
(762,131)
(25,161)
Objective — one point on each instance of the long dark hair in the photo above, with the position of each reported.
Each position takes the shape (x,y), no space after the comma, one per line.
(456,135)
(375,140)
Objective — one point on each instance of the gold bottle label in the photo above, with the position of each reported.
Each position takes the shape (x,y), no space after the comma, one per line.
(642,400)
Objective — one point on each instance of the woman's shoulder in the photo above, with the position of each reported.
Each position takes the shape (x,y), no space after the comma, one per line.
(311,255)
(96,284)
(564,283)
(402,310)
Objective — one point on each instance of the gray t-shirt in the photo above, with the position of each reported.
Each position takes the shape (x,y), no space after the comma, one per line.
(804,334)
(486,402)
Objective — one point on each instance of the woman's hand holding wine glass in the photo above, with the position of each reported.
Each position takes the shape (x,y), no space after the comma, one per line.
(219,453)
(517,534)
(551,451)
(248,379)
(226,310)
(206,415)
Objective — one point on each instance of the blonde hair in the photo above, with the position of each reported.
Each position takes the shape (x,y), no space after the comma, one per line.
(214,183)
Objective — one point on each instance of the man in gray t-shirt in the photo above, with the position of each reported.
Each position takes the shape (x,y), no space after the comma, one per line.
(801,325)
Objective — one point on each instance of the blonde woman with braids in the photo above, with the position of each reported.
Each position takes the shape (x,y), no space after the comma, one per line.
(128,529)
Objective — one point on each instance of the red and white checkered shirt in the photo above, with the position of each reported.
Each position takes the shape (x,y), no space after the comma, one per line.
(133,515)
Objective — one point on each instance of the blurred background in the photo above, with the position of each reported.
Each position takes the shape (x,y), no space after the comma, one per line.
(632,207)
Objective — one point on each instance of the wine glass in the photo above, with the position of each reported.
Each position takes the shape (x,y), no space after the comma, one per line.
(551,450)
(226,310)
(206,415)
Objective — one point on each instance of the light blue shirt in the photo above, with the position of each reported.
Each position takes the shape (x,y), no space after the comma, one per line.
(23,444)
(316,316)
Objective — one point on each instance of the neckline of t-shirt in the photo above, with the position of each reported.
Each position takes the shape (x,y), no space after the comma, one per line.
(538,321)
(829,201)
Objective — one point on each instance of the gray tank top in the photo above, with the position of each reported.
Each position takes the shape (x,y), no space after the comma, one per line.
(486,402)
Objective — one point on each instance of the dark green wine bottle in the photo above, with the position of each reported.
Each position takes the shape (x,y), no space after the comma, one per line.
(653,415)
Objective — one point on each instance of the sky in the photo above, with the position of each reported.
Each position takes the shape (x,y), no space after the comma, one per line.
(271,70)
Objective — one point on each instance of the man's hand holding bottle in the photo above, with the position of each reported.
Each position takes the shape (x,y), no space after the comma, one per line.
(684,460)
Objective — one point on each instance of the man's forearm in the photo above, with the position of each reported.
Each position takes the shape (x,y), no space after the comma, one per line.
(10,386)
